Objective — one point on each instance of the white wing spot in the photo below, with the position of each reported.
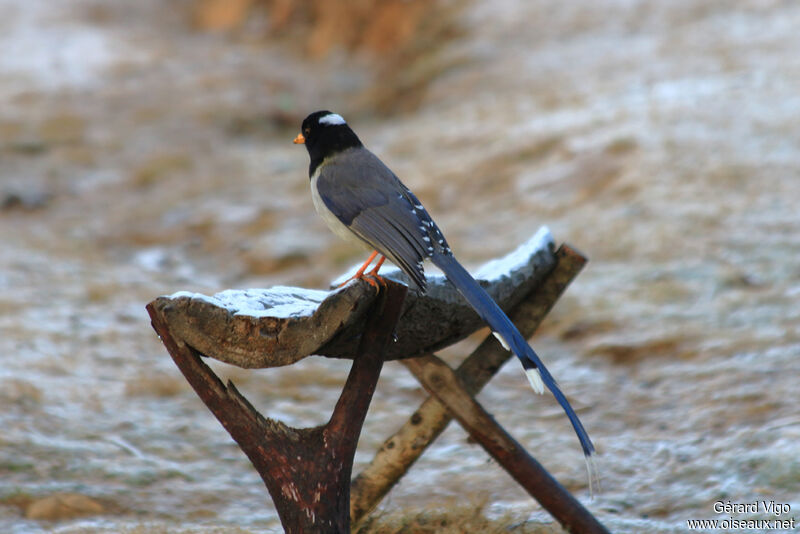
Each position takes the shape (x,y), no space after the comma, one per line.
(501,340)
(332,119)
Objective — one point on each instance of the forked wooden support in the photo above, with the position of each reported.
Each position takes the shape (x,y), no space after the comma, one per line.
(307,471)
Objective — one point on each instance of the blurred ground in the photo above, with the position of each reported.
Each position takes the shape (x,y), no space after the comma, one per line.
(140,156)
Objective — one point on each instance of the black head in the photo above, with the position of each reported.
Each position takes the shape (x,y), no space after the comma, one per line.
(325,133)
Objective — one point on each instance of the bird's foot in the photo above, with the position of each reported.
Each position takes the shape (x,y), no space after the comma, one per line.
(372,279)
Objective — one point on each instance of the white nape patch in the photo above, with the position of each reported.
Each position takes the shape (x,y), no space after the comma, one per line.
(501,340)
(535,379)
(332,119)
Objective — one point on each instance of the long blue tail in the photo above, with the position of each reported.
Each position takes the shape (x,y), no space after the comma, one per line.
(499,322)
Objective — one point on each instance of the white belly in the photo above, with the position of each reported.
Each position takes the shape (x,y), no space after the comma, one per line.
(336,226)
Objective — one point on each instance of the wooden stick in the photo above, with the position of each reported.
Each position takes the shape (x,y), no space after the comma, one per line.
(441,381)
(401,450)
(307,471)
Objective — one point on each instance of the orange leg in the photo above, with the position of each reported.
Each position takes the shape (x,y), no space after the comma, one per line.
(360,272)
(373,272)
(373,276)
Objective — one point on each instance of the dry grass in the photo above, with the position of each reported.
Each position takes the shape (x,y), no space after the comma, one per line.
(402,40)
(155,385)
(457,519)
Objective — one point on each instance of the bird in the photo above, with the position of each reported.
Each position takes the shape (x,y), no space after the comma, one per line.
(363,201)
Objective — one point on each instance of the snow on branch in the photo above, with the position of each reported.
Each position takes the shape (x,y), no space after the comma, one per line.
(257,328)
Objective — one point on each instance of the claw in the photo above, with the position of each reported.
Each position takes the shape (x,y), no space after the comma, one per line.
(372,277)
(372,280)
(379,279)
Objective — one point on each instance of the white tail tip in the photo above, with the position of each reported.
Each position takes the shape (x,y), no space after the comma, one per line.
(501,340)
(594,477)
(535,379)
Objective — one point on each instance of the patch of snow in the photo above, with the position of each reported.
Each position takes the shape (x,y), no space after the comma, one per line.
(53,52)
(151,259)
(280,301)
(238,214)
(503,267)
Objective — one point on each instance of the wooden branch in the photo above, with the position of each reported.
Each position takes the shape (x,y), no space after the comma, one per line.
(281,325)
(401,450)
(441,381)
(351,409)
(307,471)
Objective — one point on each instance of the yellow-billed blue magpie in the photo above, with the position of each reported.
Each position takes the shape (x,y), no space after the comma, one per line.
(362,200)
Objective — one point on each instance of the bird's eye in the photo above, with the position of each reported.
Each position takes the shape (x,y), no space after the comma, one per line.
(307,132)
